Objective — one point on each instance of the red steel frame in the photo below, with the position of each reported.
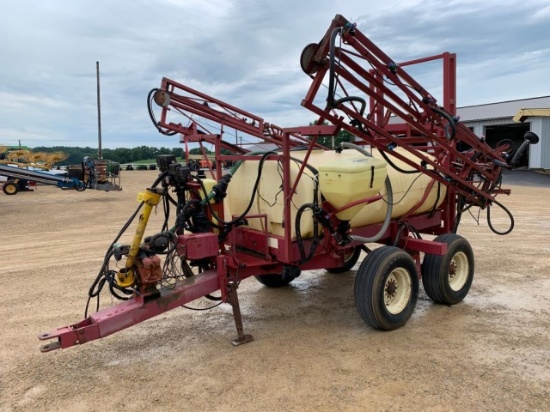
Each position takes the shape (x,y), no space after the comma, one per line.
(422,129)
(421,123)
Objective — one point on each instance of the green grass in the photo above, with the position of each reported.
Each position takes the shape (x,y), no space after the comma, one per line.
(144,162)
(147,162)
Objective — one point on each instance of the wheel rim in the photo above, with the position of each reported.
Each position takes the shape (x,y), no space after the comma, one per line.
(10,189)
(348,256)
(397,291)
(458,271)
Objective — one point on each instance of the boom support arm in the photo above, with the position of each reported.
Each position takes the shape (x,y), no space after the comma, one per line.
(399,112)
(202,110)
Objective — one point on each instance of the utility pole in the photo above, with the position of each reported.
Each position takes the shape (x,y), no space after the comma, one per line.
(99,155)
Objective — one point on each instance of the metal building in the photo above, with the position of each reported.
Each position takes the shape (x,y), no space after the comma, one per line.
(510,120)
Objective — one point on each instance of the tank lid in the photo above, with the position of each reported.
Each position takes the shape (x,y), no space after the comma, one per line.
(352,165)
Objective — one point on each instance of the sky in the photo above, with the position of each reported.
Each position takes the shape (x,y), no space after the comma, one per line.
(244,52)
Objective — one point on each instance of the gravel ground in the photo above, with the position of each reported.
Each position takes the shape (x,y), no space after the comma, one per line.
(311,349)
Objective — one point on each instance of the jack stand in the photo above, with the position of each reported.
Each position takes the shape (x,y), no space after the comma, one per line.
(234,301)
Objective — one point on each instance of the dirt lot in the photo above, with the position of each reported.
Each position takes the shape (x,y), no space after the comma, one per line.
(311,349)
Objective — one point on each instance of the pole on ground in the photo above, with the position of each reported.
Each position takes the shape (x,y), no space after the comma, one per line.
(99,155)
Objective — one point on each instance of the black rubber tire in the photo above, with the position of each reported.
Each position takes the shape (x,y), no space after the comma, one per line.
(350,261)
(82,187)
(274,281)
(10,188)
(510,143)
(437,275)
(382,267)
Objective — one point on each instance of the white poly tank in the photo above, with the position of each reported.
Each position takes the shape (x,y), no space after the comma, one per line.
(408,189)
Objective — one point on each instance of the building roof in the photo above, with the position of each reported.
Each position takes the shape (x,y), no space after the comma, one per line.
(502,109)
(523,114)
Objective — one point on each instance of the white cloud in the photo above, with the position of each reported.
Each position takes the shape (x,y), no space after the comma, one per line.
(542,13)
(243,51)
(21,101)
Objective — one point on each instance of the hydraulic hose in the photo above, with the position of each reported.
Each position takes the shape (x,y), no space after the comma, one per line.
(331,91)
(389,192)
(353,99)
(100,279)
(152,114)
(238,163)
(315,243)
(490,223)
(400,170)
(450,120)
(252,196)
(257,182)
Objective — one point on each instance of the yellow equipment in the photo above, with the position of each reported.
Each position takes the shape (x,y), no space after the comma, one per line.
(125,276)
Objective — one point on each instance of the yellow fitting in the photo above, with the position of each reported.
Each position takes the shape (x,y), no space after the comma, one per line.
(149,197)
(125,278)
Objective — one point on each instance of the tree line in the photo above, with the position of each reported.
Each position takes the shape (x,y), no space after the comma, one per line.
(75,155)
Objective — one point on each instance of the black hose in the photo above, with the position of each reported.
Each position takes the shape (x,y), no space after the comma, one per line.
(449,119)
(353,99)
(299,240)
(461,201)
(171,199)
(458,218)
(159,179)
(394,166)
(512,222)
(402,226)
(152,114)
(113,287)
(436,199)
(101,277)
(182,220)
(166,209)
(331,80)
(331,86)
(201,309)
(252,197)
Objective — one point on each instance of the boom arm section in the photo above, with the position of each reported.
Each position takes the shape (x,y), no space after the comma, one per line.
(206,114)
(386,108)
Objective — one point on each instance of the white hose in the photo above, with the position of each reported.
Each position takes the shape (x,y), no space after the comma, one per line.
(389,192)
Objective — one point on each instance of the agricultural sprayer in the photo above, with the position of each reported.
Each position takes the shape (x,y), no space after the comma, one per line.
(401,187)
